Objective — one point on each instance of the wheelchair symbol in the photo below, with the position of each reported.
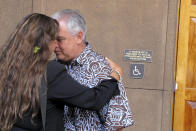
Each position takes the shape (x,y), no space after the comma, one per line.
(136,71)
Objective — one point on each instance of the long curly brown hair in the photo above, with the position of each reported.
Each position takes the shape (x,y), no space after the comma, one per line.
(22,68)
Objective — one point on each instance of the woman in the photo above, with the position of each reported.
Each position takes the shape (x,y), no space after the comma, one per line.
(23,63)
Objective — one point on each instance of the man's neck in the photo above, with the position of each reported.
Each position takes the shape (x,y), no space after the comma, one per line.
(81,48)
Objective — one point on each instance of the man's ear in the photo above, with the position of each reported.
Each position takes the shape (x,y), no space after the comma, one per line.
(79,37)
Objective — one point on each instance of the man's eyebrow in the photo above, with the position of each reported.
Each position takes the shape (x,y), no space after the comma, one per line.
(60,38)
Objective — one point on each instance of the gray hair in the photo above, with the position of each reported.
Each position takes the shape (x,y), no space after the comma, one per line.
(73,20)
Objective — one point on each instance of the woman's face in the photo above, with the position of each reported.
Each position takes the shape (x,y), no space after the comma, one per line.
(52,45)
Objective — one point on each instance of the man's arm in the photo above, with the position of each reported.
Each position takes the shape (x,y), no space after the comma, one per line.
(122,106)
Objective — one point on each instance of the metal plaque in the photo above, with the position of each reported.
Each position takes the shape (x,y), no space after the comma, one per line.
(138,55)
(137,71)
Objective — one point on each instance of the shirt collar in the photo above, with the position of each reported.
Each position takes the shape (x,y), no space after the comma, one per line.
(80,59)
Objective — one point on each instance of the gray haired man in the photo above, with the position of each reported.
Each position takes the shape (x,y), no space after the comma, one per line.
(88,68)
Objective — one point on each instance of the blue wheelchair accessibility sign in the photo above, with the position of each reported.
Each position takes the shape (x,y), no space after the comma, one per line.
(137,71)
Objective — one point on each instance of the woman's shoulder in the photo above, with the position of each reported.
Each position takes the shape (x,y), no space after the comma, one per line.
(54,68)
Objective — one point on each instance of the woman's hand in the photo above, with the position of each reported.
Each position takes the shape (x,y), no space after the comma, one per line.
(116,69)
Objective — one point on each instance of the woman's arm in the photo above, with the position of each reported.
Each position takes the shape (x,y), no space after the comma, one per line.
(63,89)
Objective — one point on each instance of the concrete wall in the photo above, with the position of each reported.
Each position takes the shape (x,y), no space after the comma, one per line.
(11,12)
(116,25)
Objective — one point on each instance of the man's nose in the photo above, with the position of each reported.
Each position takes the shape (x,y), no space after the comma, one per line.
(56,44)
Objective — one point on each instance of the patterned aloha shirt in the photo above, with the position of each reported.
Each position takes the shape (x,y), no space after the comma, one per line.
(89,69)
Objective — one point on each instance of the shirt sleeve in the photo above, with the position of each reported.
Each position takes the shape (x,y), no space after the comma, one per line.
(63,89)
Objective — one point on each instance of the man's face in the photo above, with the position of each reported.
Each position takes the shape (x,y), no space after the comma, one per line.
(67,48)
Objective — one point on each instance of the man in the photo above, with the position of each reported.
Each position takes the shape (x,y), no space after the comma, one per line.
(88,68)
